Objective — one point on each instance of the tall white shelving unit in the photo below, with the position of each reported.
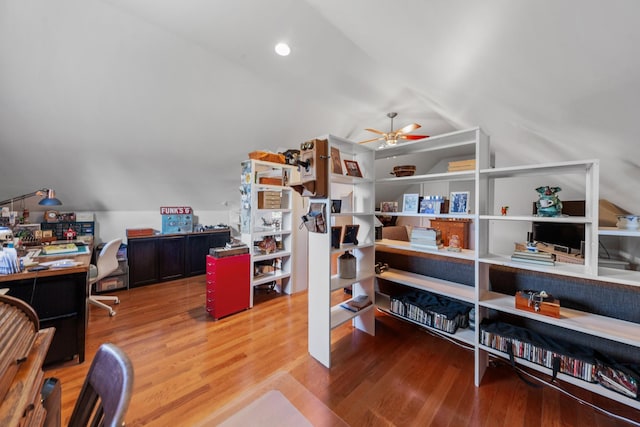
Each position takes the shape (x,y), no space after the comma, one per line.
(267,199)
(357,196)
(493,232)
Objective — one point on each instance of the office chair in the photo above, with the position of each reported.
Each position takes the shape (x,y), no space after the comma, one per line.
(106,392)
(106,263)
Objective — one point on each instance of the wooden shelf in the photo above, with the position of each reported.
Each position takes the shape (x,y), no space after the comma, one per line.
(588,323)
(340,315)
(592,387)
(464,335)
(338,283)
(407,246)
(431,284)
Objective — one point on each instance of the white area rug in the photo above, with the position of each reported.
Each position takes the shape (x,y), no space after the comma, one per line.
(280,401)
(272,409)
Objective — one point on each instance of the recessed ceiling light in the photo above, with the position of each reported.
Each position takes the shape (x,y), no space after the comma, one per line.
(283,49)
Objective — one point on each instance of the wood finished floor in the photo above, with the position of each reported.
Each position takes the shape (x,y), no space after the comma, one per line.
(188,365)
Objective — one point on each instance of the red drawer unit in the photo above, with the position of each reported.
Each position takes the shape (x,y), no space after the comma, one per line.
(228,285)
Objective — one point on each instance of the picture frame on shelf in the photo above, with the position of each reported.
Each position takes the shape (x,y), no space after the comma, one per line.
(388,206)
(459,202)
(350,235)
(336,163)
(353,168)
(431,204)
(410,203)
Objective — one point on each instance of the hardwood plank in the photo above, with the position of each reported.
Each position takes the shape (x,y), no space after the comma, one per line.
(188,365)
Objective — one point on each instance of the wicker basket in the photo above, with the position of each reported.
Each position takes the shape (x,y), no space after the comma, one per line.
(406,170)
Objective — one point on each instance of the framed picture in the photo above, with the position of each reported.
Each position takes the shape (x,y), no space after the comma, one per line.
(389,207)
(459,202)
(431,205)
(336,163)
(353,169)
(410,203)
(350,235)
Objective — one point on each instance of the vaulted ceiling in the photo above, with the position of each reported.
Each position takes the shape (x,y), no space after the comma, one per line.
(134,104)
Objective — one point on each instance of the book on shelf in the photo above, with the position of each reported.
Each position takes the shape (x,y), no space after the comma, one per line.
(534,255)
(532,260)
(462,165)
(426,237)
(357,303)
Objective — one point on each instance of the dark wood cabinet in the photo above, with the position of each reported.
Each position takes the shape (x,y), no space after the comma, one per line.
(198,245)
(143,263)
(60,301)
(167,257)
(171,254)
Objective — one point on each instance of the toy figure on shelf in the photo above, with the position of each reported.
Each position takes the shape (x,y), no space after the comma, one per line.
(548,203)
(70,234)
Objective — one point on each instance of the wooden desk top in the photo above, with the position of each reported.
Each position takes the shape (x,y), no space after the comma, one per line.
(83,259)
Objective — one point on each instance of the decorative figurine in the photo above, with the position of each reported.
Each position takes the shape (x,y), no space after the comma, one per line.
(454,243)
(70,234)
(548,203)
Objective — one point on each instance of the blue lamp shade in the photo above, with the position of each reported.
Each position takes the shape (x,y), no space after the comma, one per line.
(50,199)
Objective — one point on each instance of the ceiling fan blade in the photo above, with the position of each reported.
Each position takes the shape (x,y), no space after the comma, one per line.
(409,128)
(375,131)
(412,137)
(371,140)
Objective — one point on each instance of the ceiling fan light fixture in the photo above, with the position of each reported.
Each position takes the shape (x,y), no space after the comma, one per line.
(392,137)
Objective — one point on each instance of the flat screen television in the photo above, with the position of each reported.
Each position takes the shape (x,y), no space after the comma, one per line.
(568,235)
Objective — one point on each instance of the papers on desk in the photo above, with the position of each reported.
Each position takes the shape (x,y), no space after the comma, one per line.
(61,263)
(9,261)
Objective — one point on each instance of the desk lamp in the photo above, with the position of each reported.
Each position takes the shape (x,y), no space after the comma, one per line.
(49,199)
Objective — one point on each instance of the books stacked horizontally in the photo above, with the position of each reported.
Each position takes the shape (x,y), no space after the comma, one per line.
(426,237)
(542,258)
(462,165)
(357,303)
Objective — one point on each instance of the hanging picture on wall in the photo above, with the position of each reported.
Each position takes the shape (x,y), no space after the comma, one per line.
(459,203)
(410,203)
(353,169)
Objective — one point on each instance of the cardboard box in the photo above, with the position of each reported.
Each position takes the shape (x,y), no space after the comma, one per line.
(112,282)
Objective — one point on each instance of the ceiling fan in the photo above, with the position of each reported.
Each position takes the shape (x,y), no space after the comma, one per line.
(392,137)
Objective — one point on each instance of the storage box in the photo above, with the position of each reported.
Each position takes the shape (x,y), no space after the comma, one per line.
(84,216)
(267,157)
(270,180)
(140,232)
(269,200)
(550,306)
(112,282)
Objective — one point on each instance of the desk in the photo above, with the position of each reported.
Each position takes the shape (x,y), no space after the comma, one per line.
(59,297)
